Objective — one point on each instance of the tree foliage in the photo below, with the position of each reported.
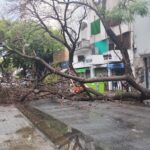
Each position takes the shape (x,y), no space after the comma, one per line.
(29,39)
(126,10)
(4,27)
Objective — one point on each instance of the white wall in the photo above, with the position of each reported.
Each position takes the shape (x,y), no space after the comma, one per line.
(94,60)
(141,30)
(111,4)
(85,52)
(141,35)
(86,33)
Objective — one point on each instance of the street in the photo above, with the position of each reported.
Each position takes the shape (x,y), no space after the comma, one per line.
(112,126)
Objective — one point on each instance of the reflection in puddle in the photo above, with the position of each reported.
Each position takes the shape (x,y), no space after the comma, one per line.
(63,136)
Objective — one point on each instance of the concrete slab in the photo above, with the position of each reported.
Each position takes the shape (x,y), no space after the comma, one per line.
(113,126)
(17,133)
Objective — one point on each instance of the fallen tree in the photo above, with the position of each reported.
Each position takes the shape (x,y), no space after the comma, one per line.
(71,37)
(127,78)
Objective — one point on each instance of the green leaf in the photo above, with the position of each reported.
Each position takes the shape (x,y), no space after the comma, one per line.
(126,10)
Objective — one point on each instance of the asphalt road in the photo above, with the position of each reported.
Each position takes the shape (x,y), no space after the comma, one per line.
(112,126)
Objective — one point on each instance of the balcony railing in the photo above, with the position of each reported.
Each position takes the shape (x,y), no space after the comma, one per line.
(83,44)
(112,56)
(89,61)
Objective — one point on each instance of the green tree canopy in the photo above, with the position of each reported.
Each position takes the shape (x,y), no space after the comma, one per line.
(28,38)
(126,10)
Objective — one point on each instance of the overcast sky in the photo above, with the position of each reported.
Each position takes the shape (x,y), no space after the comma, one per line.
(4,5)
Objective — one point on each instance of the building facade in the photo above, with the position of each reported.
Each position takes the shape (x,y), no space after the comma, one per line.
(96,54)
(142,50)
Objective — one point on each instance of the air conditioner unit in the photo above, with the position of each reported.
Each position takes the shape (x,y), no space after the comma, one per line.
(84,25)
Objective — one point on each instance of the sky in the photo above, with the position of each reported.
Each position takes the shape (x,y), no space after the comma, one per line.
(4,5)
(2,8)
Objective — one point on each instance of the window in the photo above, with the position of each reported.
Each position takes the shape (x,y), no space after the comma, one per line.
(111,45)
(107,57)
(126,38)
(81,58)
(88,60)
(147,71)
(78,44)
(102,46)
(83,25)
(95,27)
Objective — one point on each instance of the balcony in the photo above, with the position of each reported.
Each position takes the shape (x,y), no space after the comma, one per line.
(112,56)
(109,57)
(90,61)
(84,44)
(124,27)
(80,65)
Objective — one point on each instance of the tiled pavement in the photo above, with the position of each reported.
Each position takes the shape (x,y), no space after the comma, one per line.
(17,133)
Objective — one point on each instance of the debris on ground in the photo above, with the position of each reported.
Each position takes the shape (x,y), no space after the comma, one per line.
(15,93)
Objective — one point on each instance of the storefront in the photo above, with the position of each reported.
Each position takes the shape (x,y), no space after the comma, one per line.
(83,72)
(147,71)
(115,69)
(86,72)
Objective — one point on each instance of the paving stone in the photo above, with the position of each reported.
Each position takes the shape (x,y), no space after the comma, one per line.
(17,133)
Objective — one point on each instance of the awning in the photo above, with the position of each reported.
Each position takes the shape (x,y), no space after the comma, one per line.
(115,66)
(82,70)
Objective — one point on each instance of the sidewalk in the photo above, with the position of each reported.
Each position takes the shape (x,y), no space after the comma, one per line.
(17,133)
(113,126)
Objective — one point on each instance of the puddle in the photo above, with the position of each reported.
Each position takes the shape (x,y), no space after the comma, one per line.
(26,132)
(123,124)
(21,144)
(63,136)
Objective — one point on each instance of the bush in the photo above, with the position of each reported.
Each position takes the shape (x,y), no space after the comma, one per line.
(51,79)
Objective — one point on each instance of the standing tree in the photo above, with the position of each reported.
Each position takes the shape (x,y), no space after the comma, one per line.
(28,39)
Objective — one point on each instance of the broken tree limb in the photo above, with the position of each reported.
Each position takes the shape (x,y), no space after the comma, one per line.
(145,92)
(126,95)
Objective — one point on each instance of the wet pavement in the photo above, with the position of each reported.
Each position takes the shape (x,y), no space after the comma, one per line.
(111,126)
(17,132)
(63,136)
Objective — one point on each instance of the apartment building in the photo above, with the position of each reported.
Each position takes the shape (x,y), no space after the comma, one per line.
(96,54)
(142,50)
